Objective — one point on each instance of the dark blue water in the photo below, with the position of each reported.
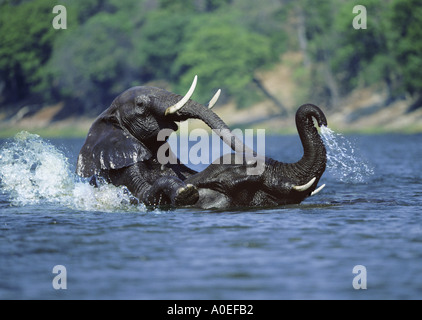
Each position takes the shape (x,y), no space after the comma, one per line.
(112,250)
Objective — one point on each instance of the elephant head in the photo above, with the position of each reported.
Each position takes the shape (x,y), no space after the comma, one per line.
(126,132)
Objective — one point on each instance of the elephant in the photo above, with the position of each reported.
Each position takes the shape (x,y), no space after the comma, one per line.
(122,143)
(229,186)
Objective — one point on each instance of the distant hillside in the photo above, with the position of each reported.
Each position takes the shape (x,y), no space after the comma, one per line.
(361,66)
(363,110)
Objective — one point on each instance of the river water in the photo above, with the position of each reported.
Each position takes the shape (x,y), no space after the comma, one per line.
(368,215)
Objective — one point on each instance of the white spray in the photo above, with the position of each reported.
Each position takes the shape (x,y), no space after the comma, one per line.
(342,160)
(32,171)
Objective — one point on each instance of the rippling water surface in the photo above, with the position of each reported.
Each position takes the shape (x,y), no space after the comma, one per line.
(369,214)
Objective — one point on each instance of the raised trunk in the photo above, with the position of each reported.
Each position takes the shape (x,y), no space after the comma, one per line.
(314,158)
(198,111)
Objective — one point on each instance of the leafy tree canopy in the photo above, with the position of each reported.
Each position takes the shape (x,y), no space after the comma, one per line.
(224,55)
(111,45)
(26,37)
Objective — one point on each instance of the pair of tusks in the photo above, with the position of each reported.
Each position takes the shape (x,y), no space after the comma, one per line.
(185,99)
(307,186)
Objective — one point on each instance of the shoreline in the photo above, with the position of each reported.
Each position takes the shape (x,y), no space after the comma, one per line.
(76,132)
(363,113)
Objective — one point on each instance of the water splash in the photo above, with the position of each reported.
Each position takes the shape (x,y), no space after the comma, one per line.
(343,162)
(32,171)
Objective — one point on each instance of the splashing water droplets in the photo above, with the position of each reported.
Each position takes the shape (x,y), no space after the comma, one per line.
(342,160)
(33,171)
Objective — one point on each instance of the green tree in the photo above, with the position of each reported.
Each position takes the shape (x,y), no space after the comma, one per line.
(321,43)
(26,37)
(365,55)
(183,6)
(158,43)
(224,55)
(177,6)
(407,35)
(92,64)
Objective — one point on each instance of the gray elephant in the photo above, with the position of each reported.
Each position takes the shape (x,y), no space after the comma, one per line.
(230,185)
(122,144)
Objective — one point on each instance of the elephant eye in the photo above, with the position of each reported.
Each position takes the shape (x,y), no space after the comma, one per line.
(141,103)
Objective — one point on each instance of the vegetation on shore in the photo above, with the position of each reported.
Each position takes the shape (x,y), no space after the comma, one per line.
(110,45)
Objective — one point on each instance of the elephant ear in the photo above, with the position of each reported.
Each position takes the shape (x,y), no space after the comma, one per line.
(107,147)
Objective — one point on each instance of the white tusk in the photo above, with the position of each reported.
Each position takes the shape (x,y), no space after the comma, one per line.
(181,103)
(317,190)
(214,99)
(305,186)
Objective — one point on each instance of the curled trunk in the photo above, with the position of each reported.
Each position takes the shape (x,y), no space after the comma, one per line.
(314,159)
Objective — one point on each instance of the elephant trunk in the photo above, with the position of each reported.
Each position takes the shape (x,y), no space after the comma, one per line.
(196,110)
(313,163)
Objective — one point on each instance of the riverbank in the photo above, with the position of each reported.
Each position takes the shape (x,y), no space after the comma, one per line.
(363,110)
(368,117)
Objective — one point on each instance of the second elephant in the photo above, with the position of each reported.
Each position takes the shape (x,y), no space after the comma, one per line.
(230,185)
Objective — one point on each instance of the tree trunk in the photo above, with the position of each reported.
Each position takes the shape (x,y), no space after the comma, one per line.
(331,83)
(281,107)
(301,34)
(415,105)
